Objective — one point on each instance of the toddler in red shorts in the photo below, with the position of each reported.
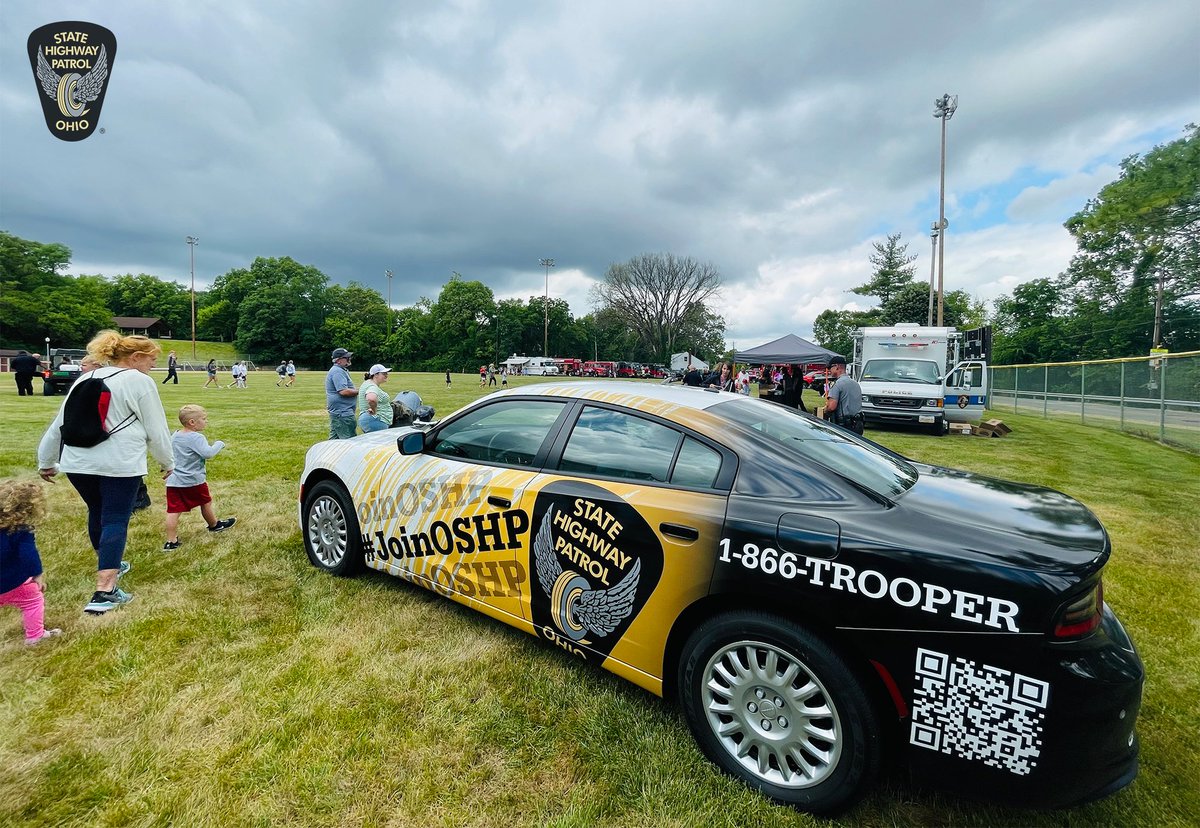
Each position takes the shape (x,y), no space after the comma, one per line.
(187,487)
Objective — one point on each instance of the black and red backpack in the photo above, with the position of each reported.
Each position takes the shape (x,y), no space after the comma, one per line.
(86,410)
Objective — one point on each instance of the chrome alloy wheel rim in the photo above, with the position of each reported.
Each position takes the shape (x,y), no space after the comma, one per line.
(772,715)
(327,531)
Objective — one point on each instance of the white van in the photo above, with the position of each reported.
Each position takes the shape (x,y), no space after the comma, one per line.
(541,367)
(911,374)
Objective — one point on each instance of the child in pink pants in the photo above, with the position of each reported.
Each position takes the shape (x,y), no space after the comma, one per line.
(22,504)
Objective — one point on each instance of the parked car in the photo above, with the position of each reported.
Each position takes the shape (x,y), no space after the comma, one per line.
(816,381)
(814,601)
(62,370)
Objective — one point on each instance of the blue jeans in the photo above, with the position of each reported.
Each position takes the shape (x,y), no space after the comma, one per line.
(110,503)
(368,423)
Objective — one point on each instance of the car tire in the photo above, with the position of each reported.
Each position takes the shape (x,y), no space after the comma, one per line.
(47,389)
(940,428)
(773,705)
(331,533)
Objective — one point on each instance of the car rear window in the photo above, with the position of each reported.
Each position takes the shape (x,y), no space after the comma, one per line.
(783,430)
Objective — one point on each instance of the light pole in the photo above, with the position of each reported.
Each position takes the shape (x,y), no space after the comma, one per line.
(943,108)
(934,232)
(546,263)
(192,241)
(388,328)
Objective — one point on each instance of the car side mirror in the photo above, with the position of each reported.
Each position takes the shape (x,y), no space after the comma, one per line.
(411,443)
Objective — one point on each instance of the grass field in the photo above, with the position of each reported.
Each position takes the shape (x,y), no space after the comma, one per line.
(242,687)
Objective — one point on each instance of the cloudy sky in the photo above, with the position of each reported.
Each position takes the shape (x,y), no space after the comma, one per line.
(776,140)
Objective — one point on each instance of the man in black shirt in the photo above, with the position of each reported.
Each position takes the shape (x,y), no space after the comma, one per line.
(24,367)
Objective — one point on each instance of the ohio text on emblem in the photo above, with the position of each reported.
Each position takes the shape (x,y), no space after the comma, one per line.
(72,63)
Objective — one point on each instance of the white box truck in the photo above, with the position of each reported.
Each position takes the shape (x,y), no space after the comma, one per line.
(911,374)
(541,367)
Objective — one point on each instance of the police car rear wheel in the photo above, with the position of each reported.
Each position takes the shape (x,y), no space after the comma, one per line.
(773,705)
(331,533)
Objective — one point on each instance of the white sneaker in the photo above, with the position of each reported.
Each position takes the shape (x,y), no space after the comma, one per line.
(29,642)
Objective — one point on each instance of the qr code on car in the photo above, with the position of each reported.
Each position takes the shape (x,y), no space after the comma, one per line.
(978,712)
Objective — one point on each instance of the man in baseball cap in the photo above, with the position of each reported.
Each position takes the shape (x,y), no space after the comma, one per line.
(340,395)
(843,403)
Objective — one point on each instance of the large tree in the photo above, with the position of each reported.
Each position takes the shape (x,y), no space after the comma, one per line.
(37,300)
(1142,233)
(146,295)
(281,310)
(653,294)
(893,270)
(462,324)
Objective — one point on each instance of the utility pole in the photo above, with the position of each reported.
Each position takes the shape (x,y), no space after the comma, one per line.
(546,263)
(933,237)
(943,108)
(388,329)
(192,241)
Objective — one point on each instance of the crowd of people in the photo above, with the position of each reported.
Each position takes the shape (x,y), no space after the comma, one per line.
(784,384)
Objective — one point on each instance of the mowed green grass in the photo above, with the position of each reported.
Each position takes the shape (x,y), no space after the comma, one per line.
(243,687)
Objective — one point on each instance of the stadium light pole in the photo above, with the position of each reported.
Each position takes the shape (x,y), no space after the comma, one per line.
(546,263)
(388,325)
(192,241)
(943,109)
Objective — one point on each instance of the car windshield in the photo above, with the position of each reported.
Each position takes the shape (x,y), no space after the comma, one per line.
(790,432)
(901,370)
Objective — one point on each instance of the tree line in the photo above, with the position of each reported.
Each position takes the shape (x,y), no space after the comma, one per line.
(279,308)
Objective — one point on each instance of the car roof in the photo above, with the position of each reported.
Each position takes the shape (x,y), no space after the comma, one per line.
(640,395)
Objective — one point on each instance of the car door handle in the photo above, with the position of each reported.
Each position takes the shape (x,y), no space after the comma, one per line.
(499,501)
(677,531)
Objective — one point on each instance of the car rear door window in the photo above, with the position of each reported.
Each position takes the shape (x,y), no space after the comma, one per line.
(509,433)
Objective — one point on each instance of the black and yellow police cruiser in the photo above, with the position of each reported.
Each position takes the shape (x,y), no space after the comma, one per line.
(814,601)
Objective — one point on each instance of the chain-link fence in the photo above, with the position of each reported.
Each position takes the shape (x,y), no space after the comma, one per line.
(1157,397)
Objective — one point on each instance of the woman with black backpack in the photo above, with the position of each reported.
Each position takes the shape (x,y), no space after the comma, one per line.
(99,438)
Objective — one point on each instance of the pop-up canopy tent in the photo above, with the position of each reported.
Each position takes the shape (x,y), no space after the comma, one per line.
(679,362)
(789,350)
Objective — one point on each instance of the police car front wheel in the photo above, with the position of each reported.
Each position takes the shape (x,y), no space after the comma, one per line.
(773,705)
(331,534)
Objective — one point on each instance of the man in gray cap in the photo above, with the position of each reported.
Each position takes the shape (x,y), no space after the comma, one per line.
(340,395)
(844,403)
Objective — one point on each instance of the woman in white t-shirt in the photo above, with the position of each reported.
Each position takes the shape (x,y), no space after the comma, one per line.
(107,475)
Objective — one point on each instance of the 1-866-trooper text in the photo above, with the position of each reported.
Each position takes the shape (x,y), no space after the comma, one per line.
(996,613)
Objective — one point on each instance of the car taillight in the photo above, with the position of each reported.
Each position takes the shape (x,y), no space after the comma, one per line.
(1082,615)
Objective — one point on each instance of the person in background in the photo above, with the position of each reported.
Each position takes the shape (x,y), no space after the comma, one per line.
(339,396)
(843,405)
(22,581)
(187,487)
(793,387)
(282,372)
(447,378)
(212,374)
(374,405)
(291,374)
(24,367)
(172,368)
(107,475)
